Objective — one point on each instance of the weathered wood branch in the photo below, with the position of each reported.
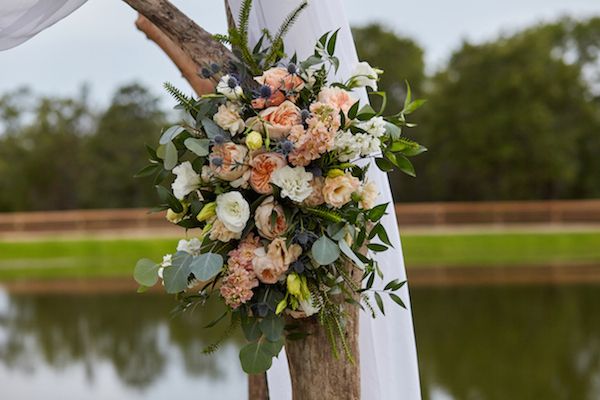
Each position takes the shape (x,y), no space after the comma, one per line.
(185,64)
(194,41)
(314,370)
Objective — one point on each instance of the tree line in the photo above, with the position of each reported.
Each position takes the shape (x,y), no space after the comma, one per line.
(514,118)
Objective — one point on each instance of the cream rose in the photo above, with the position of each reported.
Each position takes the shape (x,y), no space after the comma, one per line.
(294,182)
(262,218)
(233,211)
(338,191)
(278,121)
(228,161)
(263,166)
(271,264)
(228,118)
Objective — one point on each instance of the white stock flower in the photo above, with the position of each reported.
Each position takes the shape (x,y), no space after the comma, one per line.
(375,126)
(349,146)
(229,86)
(233,211)
(365,76)
(187,180)
(191,246)
(228,118)
(346,146)
(294,182)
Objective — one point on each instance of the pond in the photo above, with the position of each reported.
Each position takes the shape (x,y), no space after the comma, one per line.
(519,342)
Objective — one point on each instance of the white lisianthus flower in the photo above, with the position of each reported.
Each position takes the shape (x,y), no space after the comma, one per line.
(375,126)
(308,306)
(365,76)
(229,86)
(294,182)
(187,180)
(228,118)
(233,211)
(191,246)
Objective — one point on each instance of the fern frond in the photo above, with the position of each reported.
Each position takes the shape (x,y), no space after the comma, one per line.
(224,39)
(277,40)
(185,101)
(243,19)
(235,322)
(325,213)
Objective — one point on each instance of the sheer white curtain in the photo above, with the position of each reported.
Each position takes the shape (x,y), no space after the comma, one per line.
(22,19)
(388,353)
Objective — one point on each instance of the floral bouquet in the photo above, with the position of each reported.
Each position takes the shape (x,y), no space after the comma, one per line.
(271,185)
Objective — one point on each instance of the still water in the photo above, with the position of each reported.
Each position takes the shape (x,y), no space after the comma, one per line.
(534,342)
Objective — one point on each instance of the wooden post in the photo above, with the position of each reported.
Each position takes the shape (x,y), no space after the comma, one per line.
(315,372)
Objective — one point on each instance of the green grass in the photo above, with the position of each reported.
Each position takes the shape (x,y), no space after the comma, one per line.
(113,258)
(502,249)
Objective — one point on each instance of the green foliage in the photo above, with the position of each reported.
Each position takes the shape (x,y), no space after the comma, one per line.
(325,251)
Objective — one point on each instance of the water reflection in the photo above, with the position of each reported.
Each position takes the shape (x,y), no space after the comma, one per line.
(509,343)
(113,345)
(539,342)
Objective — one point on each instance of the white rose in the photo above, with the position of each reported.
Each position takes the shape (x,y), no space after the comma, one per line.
(228,118)
(233,211)
(294,182)
(375,126)
(187,180)
(365,76)
(191,246)
(225,87)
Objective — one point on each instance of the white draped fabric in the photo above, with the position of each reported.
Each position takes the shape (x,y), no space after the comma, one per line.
(387,345)
(22,19)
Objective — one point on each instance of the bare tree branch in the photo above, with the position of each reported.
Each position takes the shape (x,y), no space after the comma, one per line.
(187,67)
(194,41)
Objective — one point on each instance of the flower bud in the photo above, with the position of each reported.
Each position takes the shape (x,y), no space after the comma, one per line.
(294,285)
(334,173)
(174,217)
(207,212)
(254,140)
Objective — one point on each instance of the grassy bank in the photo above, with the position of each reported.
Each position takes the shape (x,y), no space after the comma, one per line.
(112,258)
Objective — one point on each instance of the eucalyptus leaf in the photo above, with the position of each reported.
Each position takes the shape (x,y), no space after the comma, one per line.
(350,254)
(206,266)
(171,134)
(171,156)
(272,327)
(212,129)
(176,276)
(250,328)
(257,357)
(197,146)
(325,251)
(146,272)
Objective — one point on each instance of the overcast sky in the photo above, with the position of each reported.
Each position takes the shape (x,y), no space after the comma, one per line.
(98,44)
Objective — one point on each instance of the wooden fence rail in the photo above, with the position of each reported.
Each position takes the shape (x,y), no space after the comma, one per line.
(409,215)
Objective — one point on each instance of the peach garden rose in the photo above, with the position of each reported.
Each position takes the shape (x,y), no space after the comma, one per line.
(263,166)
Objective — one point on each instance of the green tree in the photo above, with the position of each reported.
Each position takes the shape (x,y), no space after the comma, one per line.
(515,118)
(116,151)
